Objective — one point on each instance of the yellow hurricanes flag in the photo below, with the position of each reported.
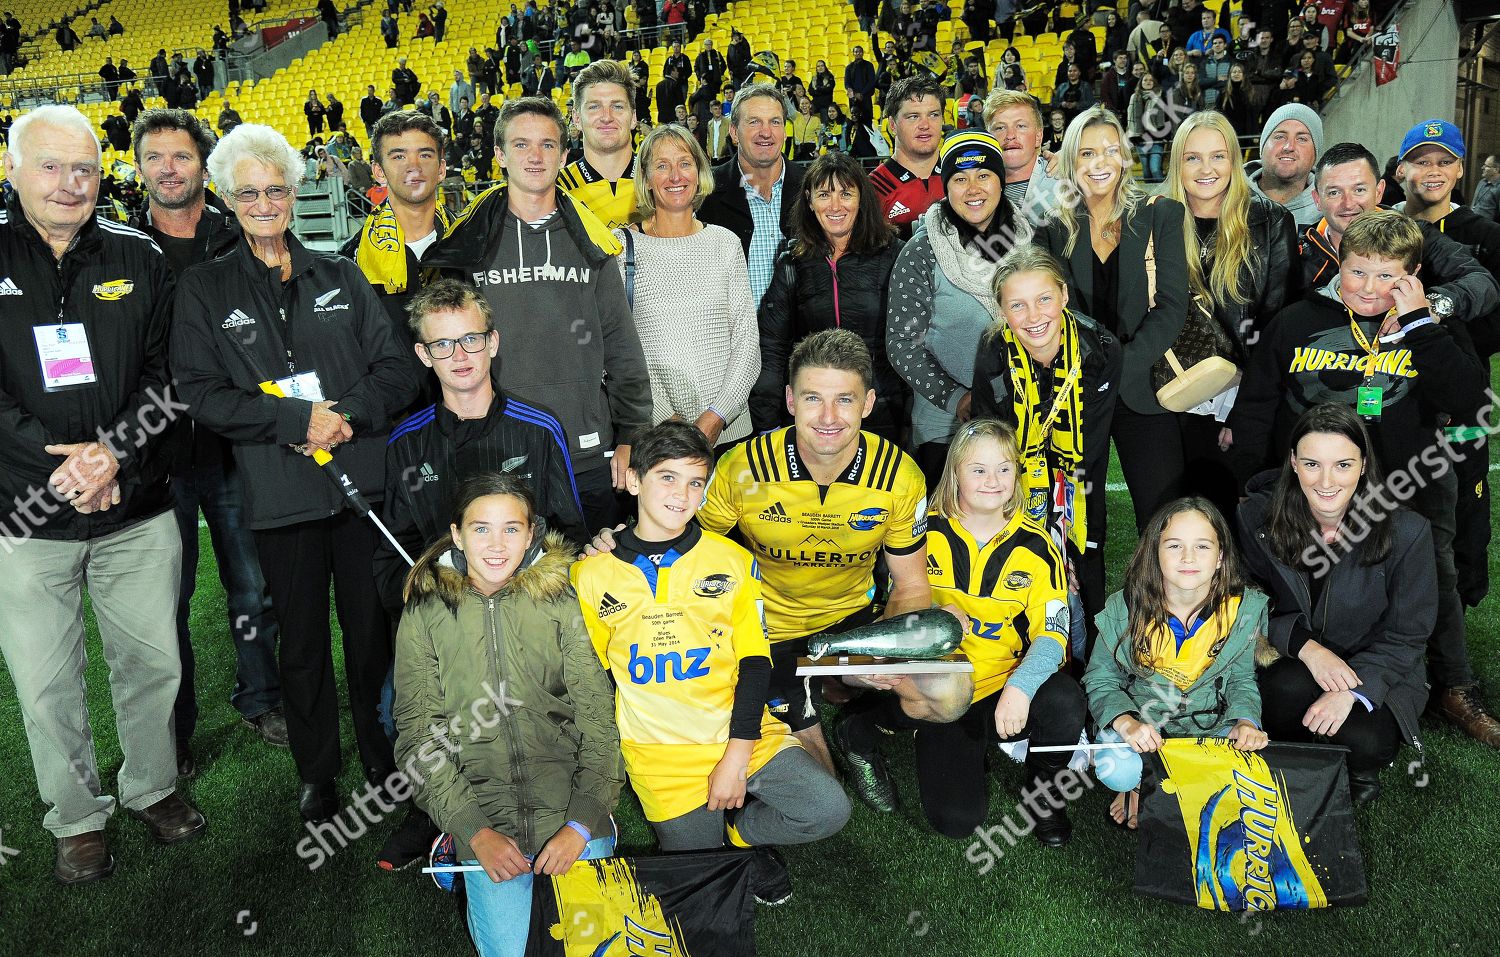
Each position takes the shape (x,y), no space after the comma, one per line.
(1257,830)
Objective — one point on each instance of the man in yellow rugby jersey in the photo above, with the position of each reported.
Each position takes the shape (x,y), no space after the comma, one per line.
(818,502)
(675,615)
(604,109)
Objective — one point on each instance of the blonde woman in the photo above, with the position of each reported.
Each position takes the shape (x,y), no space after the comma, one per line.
(701,338)
(1126,268)
(1239,247)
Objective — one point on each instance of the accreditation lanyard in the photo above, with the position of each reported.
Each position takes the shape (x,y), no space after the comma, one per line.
(1370,397)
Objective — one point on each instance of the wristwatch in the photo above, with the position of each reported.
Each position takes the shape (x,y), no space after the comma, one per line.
(1440,305)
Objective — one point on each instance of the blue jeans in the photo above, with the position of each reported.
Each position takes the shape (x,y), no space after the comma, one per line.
(1118,769)
(1151,162)
(257,684)
(500,914)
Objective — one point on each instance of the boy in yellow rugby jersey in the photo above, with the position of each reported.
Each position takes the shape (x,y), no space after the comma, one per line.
(675,615)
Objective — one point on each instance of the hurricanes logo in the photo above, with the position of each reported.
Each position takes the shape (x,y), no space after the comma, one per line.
(114,290)
(714,586)
(1018,580)
(868,518)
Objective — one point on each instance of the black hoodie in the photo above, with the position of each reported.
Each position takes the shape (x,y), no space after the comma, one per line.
(1308,356)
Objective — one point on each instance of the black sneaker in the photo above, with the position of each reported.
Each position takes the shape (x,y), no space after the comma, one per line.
(409,843)
(865,770)
(769,880)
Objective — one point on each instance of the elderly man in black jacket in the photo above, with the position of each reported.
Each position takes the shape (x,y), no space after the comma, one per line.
(85,408)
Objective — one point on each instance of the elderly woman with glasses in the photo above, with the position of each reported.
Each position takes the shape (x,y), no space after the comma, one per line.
(287,353)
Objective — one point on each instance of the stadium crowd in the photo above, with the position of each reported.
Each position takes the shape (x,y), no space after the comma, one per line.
(822,399)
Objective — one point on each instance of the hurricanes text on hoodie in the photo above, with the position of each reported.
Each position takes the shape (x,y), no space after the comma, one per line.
(1310,355)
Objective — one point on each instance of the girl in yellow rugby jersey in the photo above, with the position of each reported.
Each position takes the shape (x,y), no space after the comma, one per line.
(1176,649)
(992,566)
(674,613)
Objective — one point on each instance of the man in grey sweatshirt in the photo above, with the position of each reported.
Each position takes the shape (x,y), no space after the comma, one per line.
(544,265)
(1290,143)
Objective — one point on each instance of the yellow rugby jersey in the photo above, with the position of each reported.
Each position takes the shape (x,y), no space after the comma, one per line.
(612,202)
(673,635)
(816,545)
(1014,591)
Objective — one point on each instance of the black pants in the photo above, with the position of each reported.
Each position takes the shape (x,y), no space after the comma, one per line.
(951,757)
(596,492)
(1206,470)
(1287,690)
(1152,458)
(298,561)
(788,696)
(931,457)
(1447,649)
(1471,542)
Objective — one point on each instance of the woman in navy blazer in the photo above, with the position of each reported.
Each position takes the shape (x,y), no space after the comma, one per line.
(1127,268)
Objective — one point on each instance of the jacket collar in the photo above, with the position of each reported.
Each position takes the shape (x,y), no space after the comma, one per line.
(302,259)
(87,239)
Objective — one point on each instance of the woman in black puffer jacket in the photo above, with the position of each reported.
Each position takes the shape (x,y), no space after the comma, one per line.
(834,272)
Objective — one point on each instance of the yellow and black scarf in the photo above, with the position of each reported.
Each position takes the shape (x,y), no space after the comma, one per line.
(1050,438)
(1184,666)
(382,248)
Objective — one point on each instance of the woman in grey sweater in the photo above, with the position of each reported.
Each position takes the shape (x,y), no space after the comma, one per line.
(701,338)
(940,297)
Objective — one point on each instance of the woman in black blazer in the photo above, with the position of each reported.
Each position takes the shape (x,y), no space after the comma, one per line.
(1127,269)
(1353,589)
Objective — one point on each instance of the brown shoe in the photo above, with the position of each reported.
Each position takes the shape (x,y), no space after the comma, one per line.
(1464,707)
(83,858)
(172,819)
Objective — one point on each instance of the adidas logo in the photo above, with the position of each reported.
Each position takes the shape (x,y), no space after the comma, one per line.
(236,319)
(609,604)
(775,513)
(428,475)
(933,568)
(9,288)
(898,208)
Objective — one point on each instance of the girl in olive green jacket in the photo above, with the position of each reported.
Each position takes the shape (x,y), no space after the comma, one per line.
(505,718)
(1175,655)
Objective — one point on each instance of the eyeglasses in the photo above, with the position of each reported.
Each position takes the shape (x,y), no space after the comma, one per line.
(250,195)
(443,348)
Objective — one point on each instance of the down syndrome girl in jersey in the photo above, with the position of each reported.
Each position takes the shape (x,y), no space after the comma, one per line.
(998,571)
(1176,650)
(674,613)
(491,651)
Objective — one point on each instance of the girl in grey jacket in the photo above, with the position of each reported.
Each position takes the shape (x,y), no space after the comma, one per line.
(1175,655)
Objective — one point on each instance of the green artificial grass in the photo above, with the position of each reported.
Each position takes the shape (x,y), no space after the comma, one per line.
(886,886)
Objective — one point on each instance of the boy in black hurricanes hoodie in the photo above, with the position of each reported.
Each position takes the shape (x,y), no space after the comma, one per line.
(1369,340)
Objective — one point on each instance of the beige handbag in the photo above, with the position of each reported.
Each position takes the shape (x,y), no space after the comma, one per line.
(1198,367)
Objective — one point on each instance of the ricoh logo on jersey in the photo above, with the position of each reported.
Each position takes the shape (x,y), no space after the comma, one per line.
(543,273)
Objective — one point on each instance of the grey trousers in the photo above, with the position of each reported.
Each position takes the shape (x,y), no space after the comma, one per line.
(792,800)
(132,578)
